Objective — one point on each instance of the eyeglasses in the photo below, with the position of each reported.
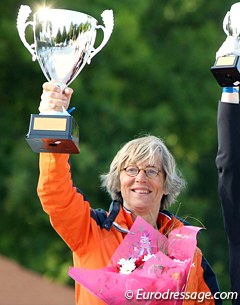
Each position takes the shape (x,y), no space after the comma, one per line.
(133,171)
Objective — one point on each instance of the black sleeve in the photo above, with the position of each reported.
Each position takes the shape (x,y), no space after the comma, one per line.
(228,165)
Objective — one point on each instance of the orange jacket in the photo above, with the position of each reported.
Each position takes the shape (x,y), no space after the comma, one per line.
(80,227)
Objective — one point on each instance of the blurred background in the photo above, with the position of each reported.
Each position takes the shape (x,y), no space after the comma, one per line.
(153,77)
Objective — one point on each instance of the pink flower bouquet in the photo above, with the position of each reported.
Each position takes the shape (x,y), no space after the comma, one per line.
(147,265)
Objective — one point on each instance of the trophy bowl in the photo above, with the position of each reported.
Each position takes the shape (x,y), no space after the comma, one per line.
(63,43)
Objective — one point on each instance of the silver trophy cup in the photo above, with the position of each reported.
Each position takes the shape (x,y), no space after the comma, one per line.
(63,44)
(226,68)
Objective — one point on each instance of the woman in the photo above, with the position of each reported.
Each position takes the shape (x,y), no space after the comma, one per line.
(142,180)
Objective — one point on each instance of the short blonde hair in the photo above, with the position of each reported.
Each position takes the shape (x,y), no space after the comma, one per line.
(148,148)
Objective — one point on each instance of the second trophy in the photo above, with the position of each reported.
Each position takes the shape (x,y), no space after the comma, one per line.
(63,44)
(226,68)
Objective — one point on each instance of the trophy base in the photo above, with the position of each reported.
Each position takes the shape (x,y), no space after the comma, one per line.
(226,71)
(53,133)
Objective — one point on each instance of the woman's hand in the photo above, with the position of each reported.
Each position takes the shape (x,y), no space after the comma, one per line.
(53,99)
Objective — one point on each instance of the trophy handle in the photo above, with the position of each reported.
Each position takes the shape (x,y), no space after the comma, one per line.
(108,21)
(23,15)
(226,24)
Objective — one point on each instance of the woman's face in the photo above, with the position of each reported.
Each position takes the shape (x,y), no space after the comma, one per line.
(140,193)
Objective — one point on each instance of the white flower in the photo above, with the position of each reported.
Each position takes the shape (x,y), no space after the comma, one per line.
(147,257)
(127,265)
(179,261)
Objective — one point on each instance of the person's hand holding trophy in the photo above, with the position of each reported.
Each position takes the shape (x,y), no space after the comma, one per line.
(226,69)
(63,44)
